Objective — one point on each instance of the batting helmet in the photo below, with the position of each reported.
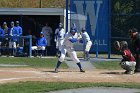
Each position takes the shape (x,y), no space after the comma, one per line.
(83,29)
(73,29)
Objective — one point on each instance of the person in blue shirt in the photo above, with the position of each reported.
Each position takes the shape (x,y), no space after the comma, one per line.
(5,39)
(2,33)
(1,37)
(19,28)
(19,32)
(5,28)
(41,43)
(12,32)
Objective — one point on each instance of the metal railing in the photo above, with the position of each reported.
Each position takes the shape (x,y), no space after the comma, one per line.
(19,37)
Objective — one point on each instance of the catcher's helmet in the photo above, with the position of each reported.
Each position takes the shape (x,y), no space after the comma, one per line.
(124,44)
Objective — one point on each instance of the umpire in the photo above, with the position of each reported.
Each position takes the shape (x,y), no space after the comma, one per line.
(135,36)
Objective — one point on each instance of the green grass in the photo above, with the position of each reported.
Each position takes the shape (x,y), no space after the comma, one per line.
(41,87)
(32,62)
(107,65)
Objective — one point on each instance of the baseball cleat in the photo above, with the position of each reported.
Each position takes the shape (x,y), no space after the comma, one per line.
(129,72)
(56,70)
(81,70)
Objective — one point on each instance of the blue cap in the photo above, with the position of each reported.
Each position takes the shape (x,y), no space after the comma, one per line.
(12,22)
(17,22)
(4,23)
(42,33)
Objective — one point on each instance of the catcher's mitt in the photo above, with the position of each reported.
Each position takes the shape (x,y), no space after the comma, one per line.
(117,45)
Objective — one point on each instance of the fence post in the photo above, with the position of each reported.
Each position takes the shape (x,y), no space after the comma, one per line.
(30,46)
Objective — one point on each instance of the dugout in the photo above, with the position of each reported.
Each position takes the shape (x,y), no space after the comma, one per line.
(33,19)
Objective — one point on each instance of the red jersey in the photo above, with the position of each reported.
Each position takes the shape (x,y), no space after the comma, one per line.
(127,55)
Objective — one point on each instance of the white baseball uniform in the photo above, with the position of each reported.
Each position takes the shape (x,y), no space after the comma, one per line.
(128,65)
(68,46)
(59,38)
(38,48)
(86,41)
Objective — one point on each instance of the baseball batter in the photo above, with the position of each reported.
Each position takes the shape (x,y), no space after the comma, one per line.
(70,38)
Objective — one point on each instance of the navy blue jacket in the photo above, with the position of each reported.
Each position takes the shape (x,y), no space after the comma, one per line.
(19,29)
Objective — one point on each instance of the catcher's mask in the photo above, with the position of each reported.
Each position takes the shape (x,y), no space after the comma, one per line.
(120,45)
(124,44)
(117,45)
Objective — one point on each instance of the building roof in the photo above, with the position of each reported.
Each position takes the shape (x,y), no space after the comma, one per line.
(31,11)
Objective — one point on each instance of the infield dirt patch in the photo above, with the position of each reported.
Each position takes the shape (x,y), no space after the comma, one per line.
(8,75)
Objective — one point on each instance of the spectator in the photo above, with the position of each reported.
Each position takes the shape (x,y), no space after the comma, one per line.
(12,43)
(47,33)
(5,28)
(1,38)
(135,36)
(1,35)
(5,42)
(19,28)
(41,43)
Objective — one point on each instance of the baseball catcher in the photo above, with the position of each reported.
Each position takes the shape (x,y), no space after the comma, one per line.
(128,62)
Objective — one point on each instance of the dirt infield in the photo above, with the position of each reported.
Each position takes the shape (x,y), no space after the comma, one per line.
(8,75)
